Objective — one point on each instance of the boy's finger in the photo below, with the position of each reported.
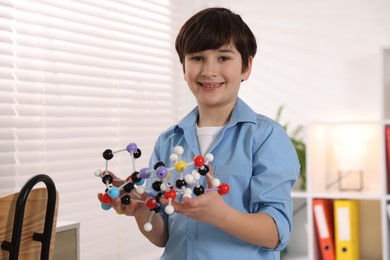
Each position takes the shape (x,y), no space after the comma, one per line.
(99,195)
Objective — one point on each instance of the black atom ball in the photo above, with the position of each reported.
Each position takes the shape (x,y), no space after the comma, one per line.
(135,177)
(128,187)
(107,154)
(156,185)
(180,183)
(137,154)
(126,199)
(198,190)
(107,179)
(203,171)
(156,209)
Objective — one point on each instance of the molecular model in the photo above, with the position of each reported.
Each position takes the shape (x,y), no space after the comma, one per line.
(186,184)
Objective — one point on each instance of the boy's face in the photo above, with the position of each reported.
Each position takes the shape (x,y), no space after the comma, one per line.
(214,76)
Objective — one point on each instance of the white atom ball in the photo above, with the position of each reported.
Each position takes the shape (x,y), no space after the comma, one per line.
(169,209)
(179,150)
(148,227)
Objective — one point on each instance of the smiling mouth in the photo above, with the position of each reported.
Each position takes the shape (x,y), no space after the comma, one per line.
(211,85)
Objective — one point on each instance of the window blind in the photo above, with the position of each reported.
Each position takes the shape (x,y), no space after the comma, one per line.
(77,77)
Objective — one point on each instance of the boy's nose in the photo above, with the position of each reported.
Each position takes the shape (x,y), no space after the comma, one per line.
(209,69)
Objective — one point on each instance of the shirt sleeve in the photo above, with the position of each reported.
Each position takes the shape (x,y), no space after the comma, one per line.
(275,171)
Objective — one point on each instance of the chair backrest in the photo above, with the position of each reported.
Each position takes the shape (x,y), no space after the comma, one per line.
(33,206)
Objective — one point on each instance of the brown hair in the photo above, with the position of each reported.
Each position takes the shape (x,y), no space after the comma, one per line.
(211,28)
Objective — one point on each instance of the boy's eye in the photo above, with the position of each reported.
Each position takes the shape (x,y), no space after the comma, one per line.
(224,58)
(197,58)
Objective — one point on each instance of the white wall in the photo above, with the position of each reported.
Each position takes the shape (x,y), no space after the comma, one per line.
(320,58)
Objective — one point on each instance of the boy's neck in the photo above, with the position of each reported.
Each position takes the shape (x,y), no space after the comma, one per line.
(214,116)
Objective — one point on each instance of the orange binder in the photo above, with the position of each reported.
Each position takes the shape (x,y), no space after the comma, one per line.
(323,220)
(346,218)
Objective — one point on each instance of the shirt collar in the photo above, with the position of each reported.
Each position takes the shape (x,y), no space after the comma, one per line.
(241,113)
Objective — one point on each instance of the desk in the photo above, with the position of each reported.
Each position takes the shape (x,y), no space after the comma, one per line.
(67,241)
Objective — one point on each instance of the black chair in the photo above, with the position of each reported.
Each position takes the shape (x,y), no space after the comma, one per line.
(28,221)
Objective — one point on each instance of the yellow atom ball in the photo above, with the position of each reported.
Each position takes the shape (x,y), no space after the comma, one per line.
(181,166)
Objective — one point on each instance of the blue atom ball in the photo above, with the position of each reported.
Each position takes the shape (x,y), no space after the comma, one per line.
(113,192)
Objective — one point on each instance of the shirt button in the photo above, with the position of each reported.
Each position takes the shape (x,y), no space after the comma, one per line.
(191,236)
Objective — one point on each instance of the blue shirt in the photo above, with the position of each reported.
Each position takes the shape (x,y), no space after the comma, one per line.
(255,156)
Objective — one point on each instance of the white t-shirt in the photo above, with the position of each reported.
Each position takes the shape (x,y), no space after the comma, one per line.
(206,136)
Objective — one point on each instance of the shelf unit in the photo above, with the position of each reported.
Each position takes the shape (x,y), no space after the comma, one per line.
(325,158)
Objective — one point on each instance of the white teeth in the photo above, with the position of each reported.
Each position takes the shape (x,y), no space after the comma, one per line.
(210,85)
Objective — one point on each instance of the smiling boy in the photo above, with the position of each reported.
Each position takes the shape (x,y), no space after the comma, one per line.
(253,154)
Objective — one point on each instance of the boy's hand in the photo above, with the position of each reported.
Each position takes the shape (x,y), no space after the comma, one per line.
(131,209)
(209,207)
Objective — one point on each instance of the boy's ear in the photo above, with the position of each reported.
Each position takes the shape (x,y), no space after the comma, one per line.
(247,72)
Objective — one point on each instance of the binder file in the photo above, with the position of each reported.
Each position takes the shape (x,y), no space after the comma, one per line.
(323,220)
(346,217)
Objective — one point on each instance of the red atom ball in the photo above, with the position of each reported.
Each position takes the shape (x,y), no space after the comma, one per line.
(171,194)
(198,160)
(151,203)
(223,189)
(106,199)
